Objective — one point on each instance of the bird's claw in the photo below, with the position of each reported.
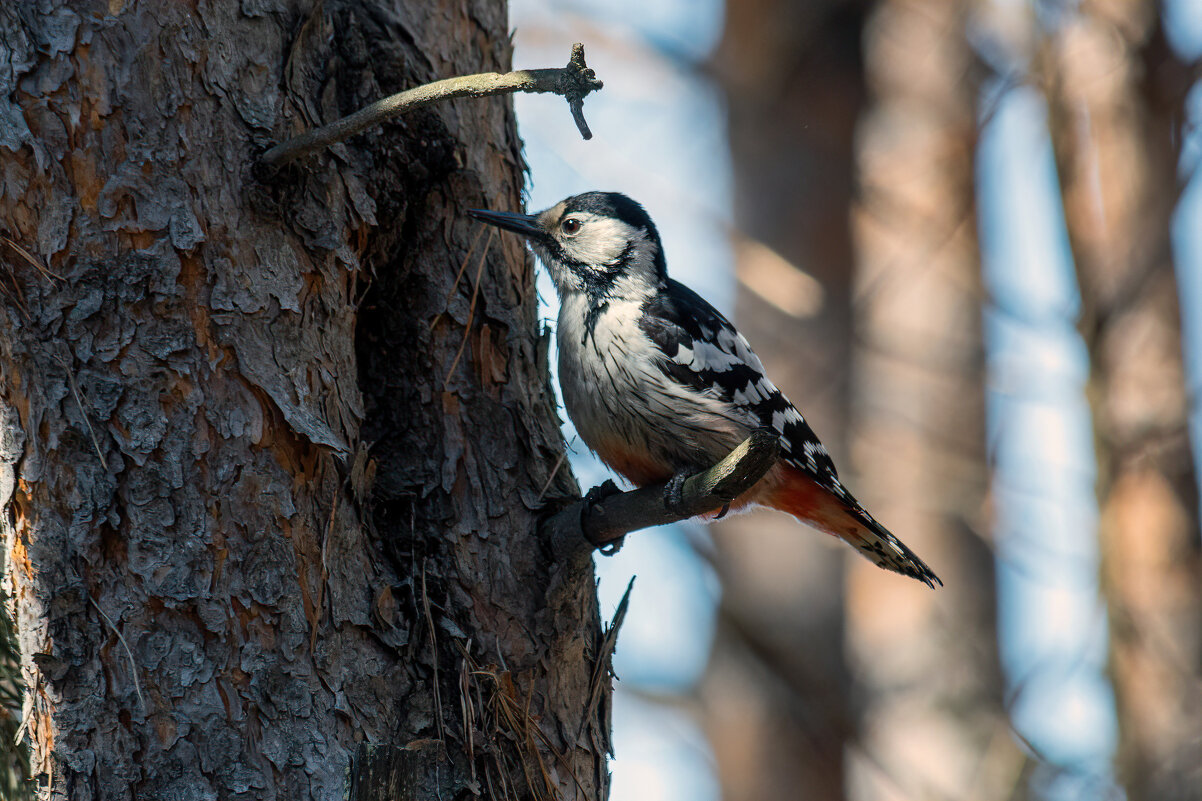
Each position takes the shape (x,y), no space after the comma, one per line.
(674,493)
(598,494)
(612,547)
(721,514)
(595,496)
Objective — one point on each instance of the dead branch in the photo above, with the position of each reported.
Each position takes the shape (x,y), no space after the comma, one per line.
(605,521)
(573,82)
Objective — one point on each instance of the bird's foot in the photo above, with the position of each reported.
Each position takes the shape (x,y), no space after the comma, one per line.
(612,547)
(721,514)
(674,493)
(598,494)
(592,498)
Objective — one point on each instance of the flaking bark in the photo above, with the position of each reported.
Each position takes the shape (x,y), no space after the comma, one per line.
(214,597)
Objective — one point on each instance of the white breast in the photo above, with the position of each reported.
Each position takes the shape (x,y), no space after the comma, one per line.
(615,391)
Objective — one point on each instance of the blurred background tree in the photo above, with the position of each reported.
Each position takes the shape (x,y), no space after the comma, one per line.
(775,698)
(1117,96)
(926,664)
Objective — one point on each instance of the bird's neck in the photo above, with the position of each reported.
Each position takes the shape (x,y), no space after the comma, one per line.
(582,315)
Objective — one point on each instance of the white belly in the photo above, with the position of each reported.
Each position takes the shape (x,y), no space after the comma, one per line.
(625,408)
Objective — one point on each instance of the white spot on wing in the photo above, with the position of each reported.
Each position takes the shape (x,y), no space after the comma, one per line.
(813,450)
(735,343)
(707,356)
(753,393)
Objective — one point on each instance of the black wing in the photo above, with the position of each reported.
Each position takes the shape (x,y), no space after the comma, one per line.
(703,351)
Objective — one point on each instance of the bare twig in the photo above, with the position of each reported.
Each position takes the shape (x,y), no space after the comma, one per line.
(563,455)
(607,521)
(442,735)
(133,666)
(83,410)
(574,82)
(471,311)
(459,275)
(325,574)
(603,663)
(25,254)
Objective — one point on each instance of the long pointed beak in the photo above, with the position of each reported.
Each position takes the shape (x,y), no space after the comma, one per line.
(524,224)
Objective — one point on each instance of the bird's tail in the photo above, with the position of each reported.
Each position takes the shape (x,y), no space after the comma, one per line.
(834,511)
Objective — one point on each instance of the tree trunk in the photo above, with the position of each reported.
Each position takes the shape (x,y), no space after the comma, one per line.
(1116,103)
(202,368)
(932,714)
(776,693)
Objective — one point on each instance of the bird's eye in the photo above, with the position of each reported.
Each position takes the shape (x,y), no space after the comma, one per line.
(570,226)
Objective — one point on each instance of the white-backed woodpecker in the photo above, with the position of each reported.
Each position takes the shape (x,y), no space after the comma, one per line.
(659,384)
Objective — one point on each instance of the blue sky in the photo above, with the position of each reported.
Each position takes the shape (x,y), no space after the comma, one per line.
(1051,622)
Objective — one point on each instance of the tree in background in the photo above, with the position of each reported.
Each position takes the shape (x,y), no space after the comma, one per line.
(775,699)
(923,722)
(274,444)
(926,683)
(926,665)
(1116,94)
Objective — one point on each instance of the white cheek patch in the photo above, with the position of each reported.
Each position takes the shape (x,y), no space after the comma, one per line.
(601,239)
(565,280)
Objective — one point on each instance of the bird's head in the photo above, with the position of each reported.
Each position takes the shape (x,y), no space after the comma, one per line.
(600,243)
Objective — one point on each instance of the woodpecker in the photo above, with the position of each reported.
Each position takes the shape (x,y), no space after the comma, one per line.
(660,385)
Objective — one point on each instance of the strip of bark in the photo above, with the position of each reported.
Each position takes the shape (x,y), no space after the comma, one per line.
(606,521)
(419,771)
(573,82)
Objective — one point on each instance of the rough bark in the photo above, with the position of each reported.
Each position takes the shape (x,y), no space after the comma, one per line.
(927,662)
(208,366)
(776,702)
(1116,96)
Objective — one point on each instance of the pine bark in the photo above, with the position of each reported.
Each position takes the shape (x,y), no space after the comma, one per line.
(932,715)
(1116,95)
(274,446)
